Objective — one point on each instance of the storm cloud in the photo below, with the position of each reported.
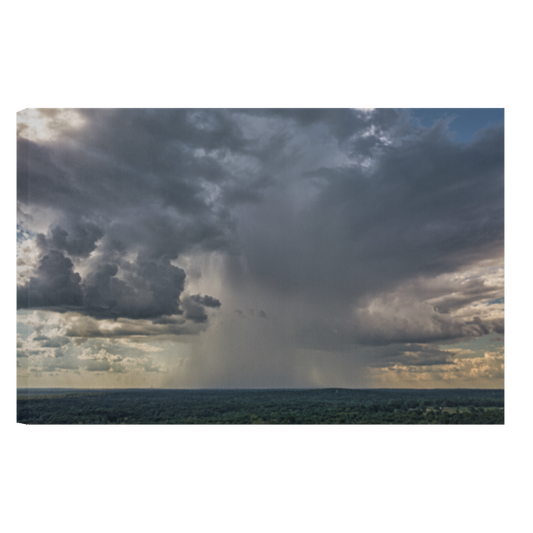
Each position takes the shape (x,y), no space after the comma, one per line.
(348,229)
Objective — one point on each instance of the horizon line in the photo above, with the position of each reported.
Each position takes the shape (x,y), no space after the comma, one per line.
(257,388)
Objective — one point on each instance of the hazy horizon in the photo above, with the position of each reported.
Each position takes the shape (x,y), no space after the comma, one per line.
(260,248)
(256,388)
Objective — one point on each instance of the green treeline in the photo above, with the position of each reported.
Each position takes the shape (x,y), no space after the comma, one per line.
(315,406)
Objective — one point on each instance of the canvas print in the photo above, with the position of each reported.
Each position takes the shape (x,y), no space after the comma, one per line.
(274,266)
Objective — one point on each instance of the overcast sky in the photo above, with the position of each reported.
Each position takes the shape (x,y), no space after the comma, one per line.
(260,248)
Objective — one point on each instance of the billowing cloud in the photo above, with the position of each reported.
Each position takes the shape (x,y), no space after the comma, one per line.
(194,311)
(452,372)
(101,361)
(208,301)
(332,231)
(422,206)
(87,327)
(411,355)
(55,284)
(19,341)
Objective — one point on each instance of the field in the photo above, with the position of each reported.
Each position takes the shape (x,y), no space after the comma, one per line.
(277,406)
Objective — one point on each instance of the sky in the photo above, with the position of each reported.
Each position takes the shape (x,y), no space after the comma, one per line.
(244,248)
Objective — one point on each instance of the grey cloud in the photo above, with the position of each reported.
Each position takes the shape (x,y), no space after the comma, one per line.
(55,284)
(80,241)
(52,364)
(86,327)
(208,301)
(137,181)
(59,352)
(404,315)
(168,320)
(149,366)
(57,342)
(98,366)
(342,123)
(20,296)
(53,342)
(498,326)
(474,290)
(102,361)
(39,180)
(259,314)
(249,191)
(321,210)
(426,206)
(194,311)
(482,326)
(410,355)
(148,289)
(20,343)
(433,328)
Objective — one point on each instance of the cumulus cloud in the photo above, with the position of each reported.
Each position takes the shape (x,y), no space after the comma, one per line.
(101,361)
(80,241)
(55,284)
(411,355)
(347,229)
(147,289)
(131,289)
(125,196)
(54,342)
(455,371)
(208,301)
(20,343)
(87,327)
(194,311)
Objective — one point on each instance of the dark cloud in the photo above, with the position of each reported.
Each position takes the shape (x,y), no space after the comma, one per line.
(168,320)
(411,355)
(498,326)
(250,191)
(424,207)
(147,289)
(152,183)
(54,285)
(482,326)
(330,216)
(81,241)
(208,301)
(474,290)
(391,322)
(341,123)
(194,311)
